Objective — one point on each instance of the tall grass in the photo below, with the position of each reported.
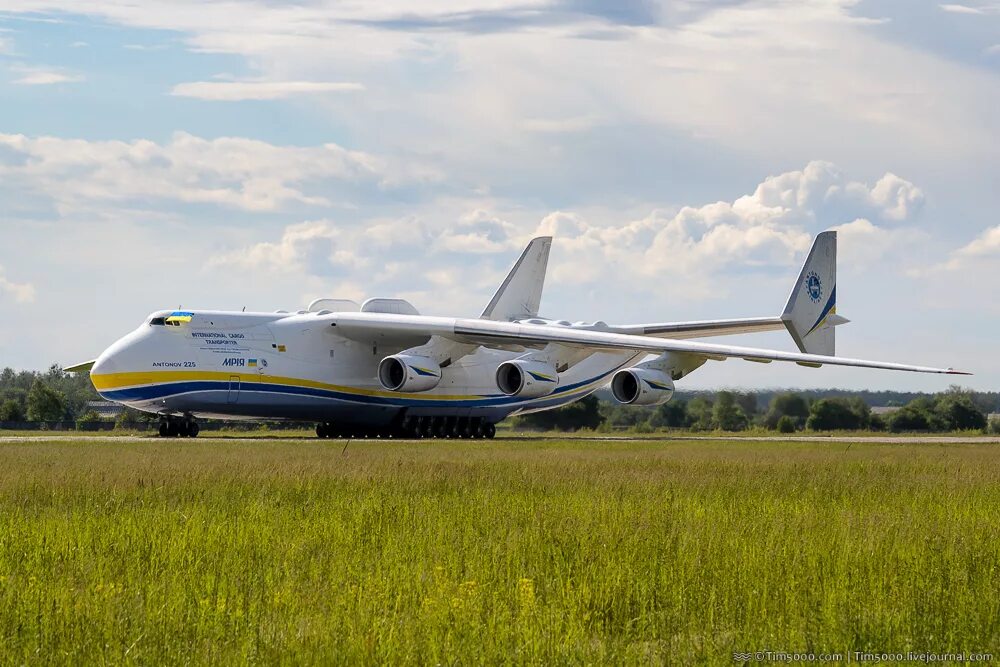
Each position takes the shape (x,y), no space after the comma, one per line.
(536,551)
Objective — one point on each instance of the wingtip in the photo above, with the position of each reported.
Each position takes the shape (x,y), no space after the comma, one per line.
(952,371)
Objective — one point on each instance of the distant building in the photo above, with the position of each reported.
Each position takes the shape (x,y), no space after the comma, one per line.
(105,409)
(884,410)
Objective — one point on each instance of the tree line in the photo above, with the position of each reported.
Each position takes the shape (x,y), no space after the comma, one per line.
(956,409)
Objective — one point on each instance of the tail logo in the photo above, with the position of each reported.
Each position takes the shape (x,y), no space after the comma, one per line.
(814,286)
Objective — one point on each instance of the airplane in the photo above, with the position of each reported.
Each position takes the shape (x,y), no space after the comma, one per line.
(381,369)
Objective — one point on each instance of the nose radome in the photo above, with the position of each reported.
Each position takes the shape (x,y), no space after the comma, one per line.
(105,363)
(119,357)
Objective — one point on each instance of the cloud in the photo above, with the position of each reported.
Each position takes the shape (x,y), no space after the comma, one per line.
(764,230)
(44,77)
(862,243)
(559,125)
(20,292)
(230,91)
(479,232)
(691,247)
(984,247)
(232,172)
(961,9)
(741,74)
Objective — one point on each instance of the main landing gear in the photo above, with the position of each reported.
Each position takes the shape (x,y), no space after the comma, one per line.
(414,427)
(174,427)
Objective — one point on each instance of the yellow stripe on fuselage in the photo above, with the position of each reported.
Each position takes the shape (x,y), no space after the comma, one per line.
(116,381)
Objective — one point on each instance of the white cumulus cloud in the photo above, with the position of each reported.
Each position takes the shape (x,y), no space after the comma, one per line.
(20,292)
(44,77)
(230,91)
(768,228)
(234,172)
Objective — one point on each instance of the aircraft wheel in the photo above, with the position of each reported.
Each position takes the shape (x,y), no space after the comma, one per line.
(490,431)
(173,430)
(321,431)
(193,430)
(182,429)
(164,430)
(441,428)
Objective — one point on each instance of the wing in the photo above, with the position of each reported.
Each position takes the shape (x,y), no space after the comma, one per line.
(513,335)
(701,329)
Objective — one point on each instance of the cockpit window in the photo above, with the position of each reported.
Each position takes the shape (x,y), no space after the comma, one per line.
(158,321)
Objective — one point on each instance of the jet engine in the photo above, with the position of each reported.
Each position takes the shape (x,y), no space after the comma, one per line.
(529,379)
(408,372)
(642,386)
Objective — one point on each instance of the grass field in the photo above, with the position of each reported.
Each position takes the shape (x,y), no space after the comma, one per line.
(519,551)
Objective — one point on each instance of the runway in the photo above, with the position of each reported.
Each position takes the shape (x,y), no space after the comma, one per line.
(880,439)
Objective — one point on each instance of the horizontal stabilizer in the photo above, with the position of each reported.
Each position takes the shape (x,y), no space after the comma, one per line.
(81,368)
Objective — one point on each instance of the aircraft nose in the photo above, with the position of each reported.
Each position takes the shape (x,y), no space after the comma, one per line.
(105,364)
(114,360)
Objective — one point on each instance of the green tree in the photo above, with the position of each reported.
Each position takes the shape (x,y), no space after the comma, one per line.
(828,414)
(748,401)
(726,414)
(89,417)
(625,416)
(790,404)
(920,414)
(700,414)
(959,411)
(45,403)
(786,424)
(11,411)
(584,413)
(673,414)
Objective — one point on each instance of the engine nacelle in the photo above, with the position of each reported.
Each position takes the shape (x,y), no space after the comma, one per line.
(642,386)
(408,372)
(529,379)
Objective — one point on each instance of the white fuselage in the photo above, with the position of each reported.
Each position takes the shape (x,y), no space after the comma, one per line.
(296,366)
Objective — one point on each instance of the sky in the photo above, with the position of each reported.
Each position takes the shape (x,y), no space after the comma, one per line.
(260,154)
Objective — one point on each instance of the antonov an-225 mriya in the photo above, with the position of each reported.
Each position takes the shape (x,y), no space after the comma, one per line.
(383,369)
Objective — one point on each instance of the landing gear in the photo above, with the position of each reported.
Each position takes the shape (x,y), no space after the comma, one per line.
(414,428)
(173,427)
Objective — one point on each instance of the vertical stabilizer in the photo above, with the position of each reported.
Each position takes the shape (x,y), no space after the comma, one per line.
(520,294)
(811,312)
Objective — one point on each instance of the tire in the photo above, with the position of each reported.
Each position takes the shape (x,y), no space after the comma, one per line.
(490,431)
(321,431)
(164,430)
(193,430)
(173,430)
